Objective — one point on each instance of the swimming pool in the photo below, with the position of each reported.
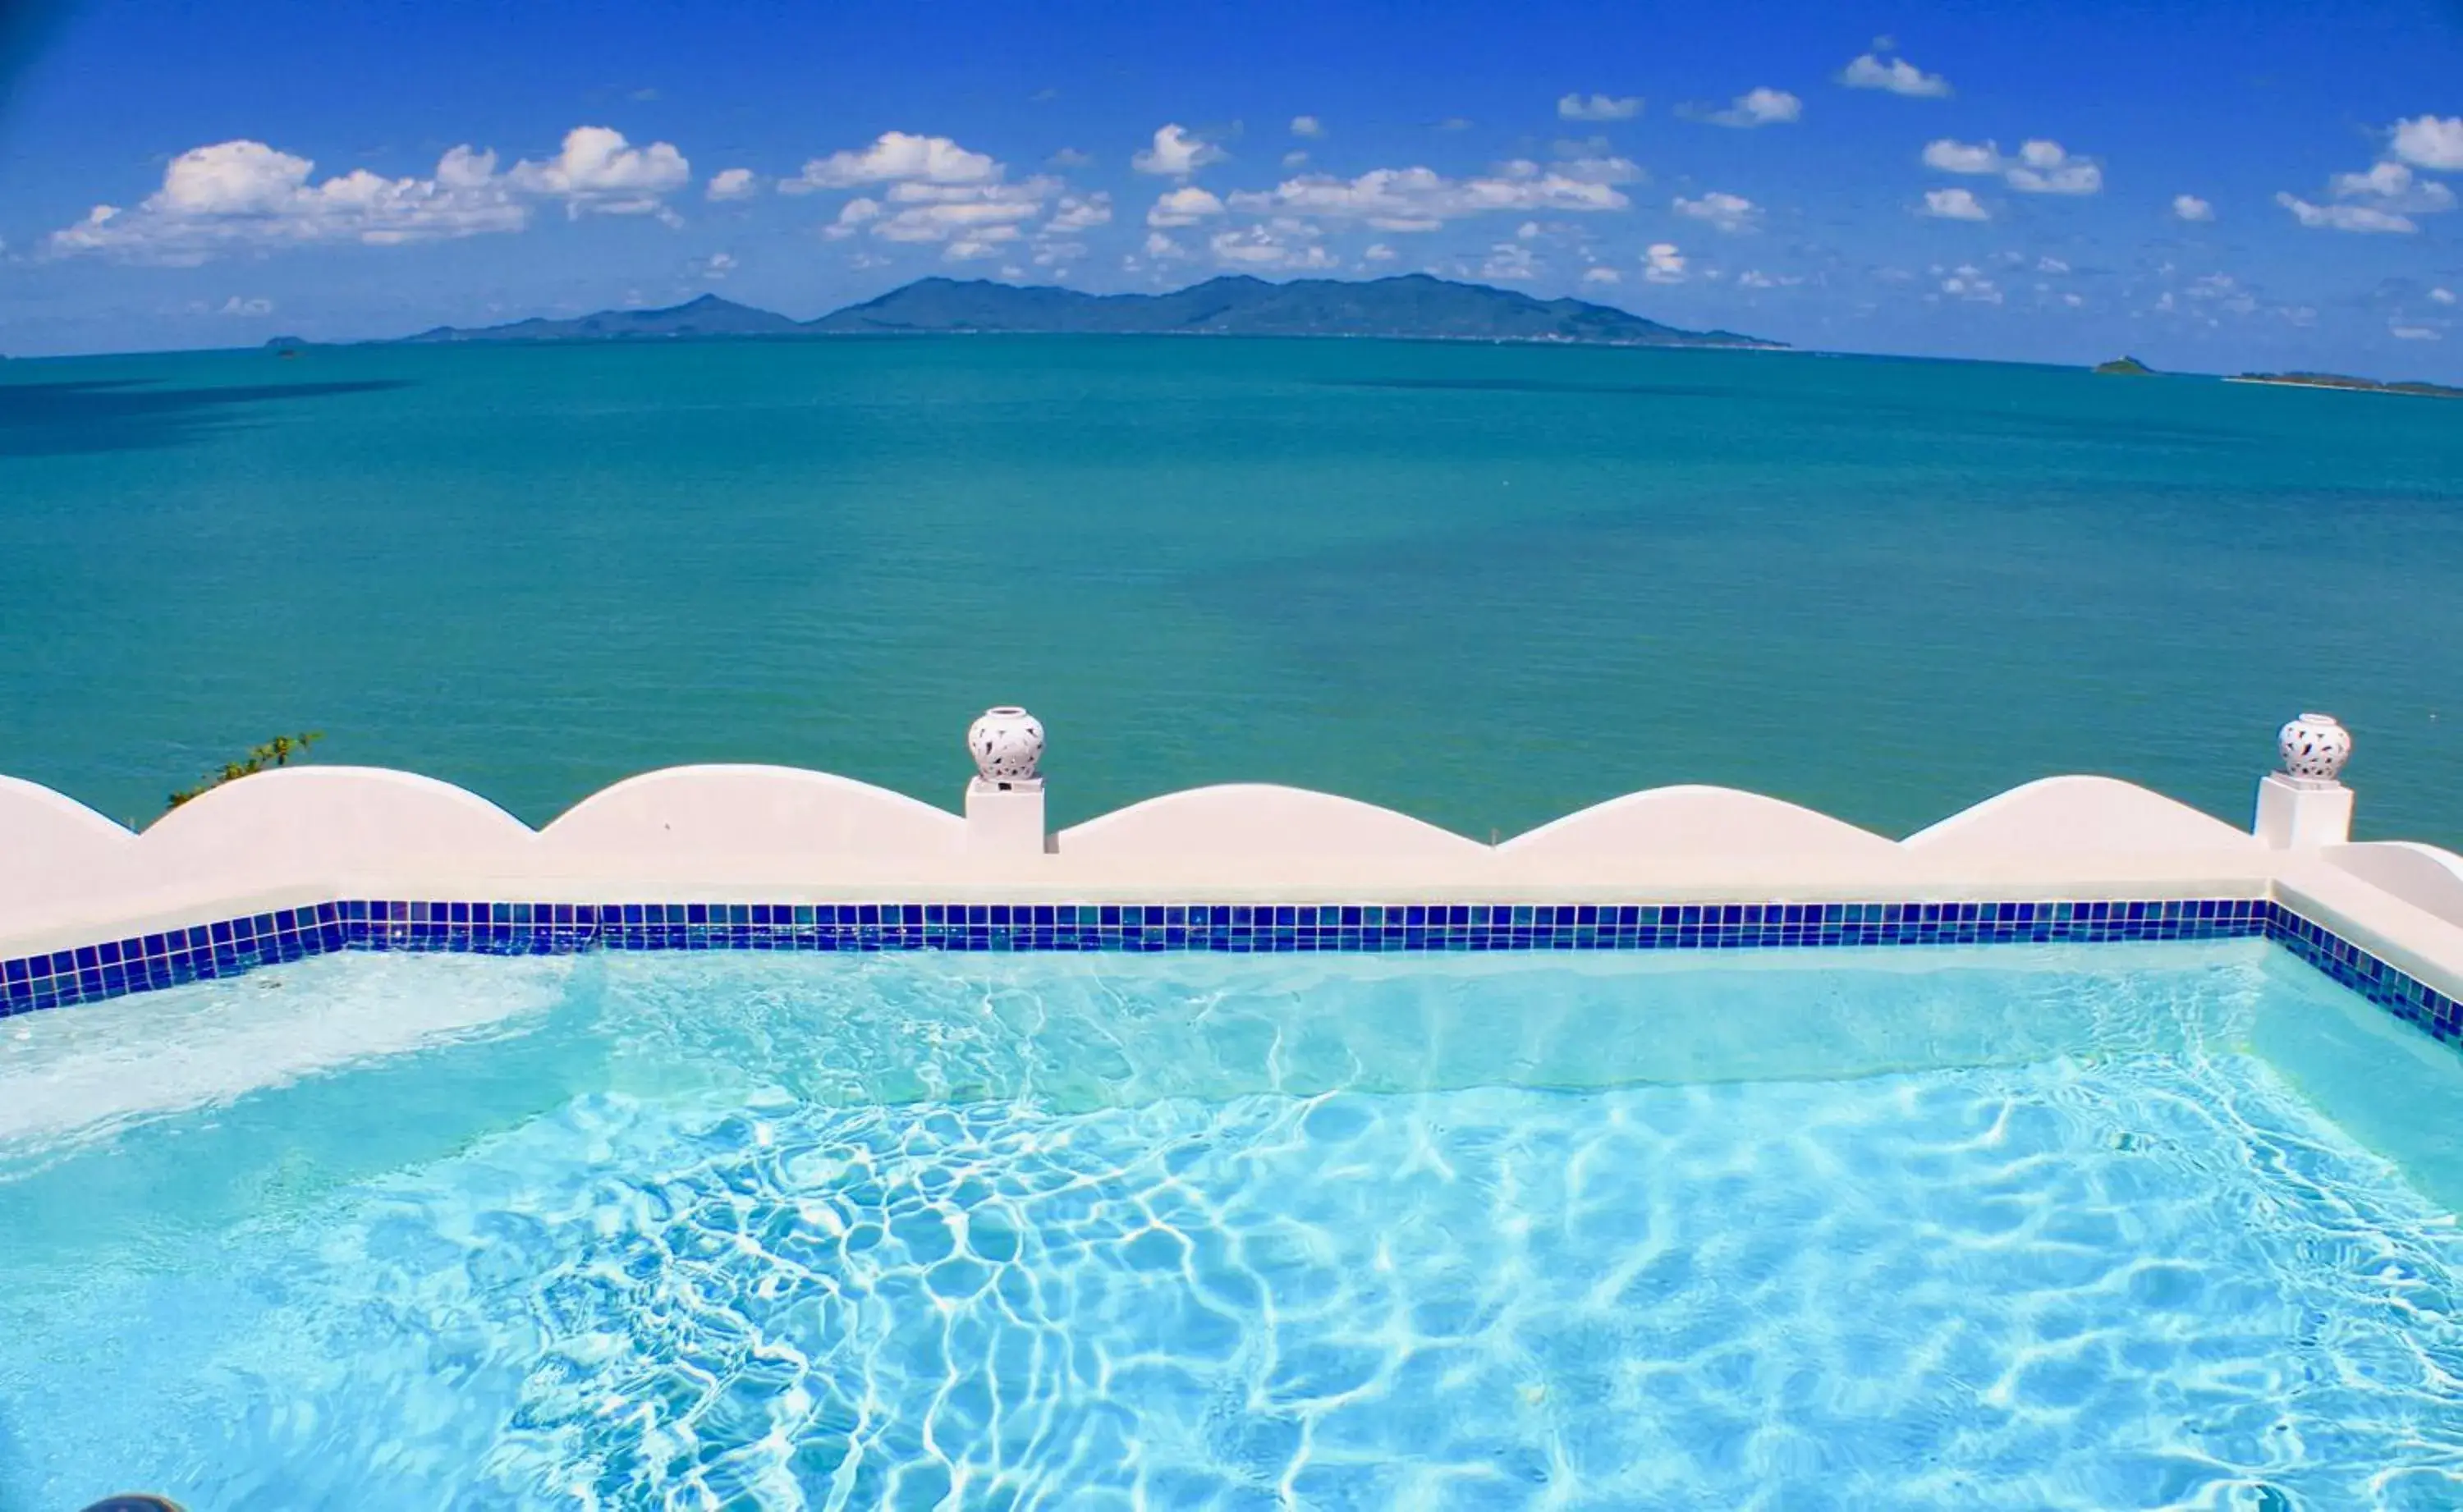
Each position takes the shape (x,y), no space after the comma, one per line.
(2009,1226)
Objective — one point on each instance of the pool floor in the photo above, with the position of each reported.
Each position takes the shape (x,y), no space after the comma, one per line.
(1201,1233)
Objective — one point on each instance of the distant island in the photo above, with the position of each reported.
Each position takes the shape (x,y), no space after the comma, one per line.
(707,316)
(1412,306)
(2128,367)
(2340,381)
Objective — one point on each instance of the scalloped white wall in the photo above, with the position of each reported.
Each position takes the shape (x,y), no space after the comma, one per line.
(696,832)
(1694,821)
(53,846)
(727,812)
(2079,815)
(1251,821)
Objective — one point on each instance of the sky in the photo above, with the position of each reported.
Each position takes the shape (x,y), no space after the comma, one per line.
(2210,186)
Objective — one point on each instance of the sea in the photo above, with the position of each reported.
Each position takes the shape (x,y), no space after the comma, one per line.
(1483,584)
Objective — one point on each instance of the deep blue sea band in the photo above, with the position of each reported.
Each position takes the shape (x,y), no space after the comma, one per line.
(149,962)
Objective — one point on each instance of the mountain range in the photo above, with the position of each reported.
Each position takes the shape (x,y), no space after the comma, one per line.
(1410,306)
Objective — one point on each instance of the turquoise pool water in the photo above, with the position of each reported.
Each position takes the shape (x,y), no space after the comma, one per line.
(2123,1226)
(1442,576)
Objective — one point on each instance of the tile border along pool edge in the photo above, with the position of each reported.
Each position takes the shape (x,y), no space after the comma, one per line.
(230,947)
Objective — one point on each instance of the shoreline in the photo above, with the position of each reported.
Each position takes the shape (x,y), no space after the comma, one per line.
(2346,388)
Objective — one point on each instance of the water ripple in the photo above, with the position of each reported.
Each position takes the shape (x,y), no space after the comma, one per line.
(738,1234)
(2150,1283)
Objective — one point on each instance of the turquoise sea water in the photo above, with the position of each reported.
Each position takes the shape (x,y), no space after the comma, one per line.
(1483,584)
(2059,1230)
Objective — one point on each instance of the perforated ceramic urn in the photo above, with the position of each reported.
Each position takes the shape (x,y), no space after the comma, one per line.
(2315,745)
(1008,744)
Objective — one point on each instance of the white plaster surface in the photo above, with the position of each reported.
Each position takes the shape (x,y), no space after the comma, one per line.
(2299,814)
(53,846)
(1005,818)
(1696,821)
(728,814)
(1252,822)
(2423,876)
(2073,815)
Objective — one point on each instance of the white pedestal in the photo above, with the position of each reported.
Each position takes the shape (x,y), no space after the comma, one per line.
(1005,818)
(2300,813)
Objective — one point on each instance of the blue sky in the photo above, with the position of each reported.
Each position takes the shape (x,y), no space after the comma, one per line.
(2209,185)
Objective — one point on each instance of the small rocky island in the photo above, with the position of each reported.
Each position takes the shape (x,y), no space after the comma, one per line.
(2344,381)
(2126,366)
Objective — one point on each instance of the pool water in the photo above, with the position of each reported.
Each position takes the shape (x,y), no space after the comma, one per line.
(2107,1227)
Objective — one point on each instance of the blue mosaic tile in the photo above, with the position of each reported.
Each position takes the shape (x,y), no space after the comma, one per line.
(226,947)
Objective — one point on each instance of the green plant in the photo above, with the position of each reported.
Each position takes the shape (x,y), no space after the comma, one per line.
(275,753)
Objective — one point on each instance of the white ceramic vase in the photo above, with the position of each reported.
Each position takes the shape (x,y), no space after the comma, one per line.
(1008,744)
(2315,745)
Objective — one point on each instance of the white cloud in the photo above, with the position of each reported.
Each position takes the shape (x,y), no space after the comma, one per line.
(2430,142)
(1959,156)
(1069,157)
(1896,74)
(936,191)
(2224,291)
(596,169)
(1969,282)
(247,309)
(2393,186)
(2414,333)
(1585,170)
(2383,200)
(1511,261)
(1954,204)
(1599,107)
(1176,154)
(245,194)
(2190,208)
(2346,217)
(1282,243)
(1185,206)
(894,157)
(2040,168)
(852,215)
(718,266)
(1163,249)
(973,219)
(1077,213)
(1295,159)
(1307,127)
(2443,296)
(978,244)
(1729,212)
(1601,276)
(1380,252)
(1758,107)
(2051,265)
(1663,264)
(734,183)
(1756,279)
(2043,167)
(1420,198)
